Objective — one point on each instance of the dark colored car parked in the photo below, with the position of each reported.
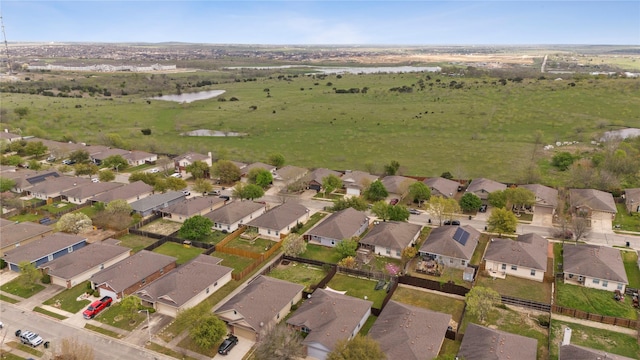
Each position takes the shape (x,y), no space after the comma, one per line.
(228,344)
(451,222)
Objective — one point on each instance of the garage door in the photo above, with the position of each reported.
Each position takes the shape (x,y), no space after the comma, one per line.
(542,216)
(111,294)
(244,333)
(601,222)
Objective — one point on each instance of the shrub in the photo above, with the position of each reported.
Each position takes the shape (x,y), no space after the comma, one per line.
(46,279)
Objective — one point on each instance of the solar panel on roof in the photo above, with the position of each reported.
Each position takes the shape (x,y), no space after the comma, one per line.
(461,236)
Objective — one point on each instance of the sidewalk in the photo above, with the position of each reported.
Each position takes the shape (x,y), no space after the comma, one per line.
(595,324)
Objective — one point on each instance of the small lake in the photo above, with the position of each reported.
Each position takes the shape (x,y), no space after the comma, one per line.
(620,134)
(350,69)
(190,97)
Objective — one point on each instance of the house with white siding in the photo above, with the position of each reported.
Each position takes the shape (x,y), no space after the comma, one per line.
(234,214)
(525,257)
(389,238)
(597,267)
(276,223)
(340,225)
(451,246)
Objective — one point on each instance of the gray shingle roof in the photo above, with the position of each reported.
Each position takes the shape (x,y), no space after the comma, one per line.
(483,343)
(397,184)
(330,316)
(530,250)
(234,211)
(318,174)
(440,241)
(340,225)
(592,199)
(55,185)
(545,195)
(90,189)
(280,216)
(598,262)
(408,332)
(487,185)
(290,173)
(257,165)
(391,234)
(13,233)
(131,270)
(125,192)
(358,178)
(40,248)
(86,258)
(183,283)
(632,198)
(260,301)
(193,206)
(156,200)
(575,352)
(444,186)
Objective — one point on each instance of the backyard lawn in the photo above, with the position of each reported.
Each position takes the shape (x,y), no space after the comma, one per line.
(476,258)
(16,287)
(258,246)
(518,287)
(593,301)
(179,251)
(162,227)
(214,238)
(135,242)
(600,339)
(321,253)
(627,222)
(238,263)
(449,274)
(431,301)
(68,299)
(630,259)
(303,274)
(358,288)
(312,221)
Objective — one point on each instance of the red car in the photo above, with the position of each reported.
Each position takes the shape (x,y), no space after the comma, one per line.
(96,307)
(393,201)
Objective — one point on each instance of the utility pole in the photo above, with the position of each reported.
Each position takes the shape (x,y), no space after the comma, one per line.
(6,45)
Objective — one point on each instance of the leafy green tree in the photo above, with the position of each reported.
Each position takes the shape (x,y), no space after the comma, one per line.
(407,255)
(376,191)
(442,208)
(118,206)
(6,184)
(34,164)
(330,183)
(11,160)
(260,177)
(446,175)
(21,111)
(480,300)
(115,162)
(130,305)
(398,213)
(198,169)
(562,160)
(18,147)
(519,197)
(470,202)
(29,275)
(419,192)
(196,228)
(202,186)
(498,199)
(276,160)
(347,247)
(80,156)
(355,202)
(381,210)
(173,183)
(348,262)
(358,348)
(247,191)
(74,223)
(226,171)
(280,342)
(86,169)
(392,168)
(502,221)
(35,148)
(294,245)
(106,176)
(145,177)
(207,331)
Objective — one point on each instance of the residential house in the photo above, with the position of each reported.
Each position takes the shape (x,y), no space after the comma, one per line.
(14,234)
(598,267)
(82,194)
(525,257)
(77,267)
(53,187)
(575,352)
(483,187)
(288,175)
(409,332)
(314,179)
(185,286)
(137,157)
(257,165)
(483,343)
(263,303)
(278,221)
(328,317)
(545,205)
(98,155)
(26,179)
(595,205)
(340,225)
(131,274)
(129,192)
(233,215)
(59,149)
(632,200)
(181,162)
(451,245)
(397,186)
(389,238)
(440,186)
(157,202)
(355,182)
(9,137)
(187,208)
(43,250)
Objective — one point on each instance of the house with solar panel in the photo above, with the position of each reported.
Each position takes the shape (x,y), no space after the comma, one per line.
(451,246)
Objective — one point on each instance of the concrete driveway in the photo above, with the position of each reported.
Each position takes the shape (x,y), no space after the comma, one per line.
(239,351)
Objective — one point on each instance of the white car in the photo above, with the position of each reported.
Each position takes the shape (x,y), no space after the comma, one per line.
(154,171)
(176,175)
(95,180)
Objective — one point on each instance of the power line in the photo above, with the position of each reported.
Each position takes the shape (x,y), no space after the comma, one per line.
(6,45)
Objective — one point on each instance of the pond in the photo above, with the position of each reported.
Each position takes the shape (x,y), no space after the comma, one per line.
(620,134)
(190,97)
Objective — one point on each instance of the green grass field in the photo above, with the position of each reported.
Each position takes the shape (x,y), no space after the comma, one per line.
(299,273)
(16,287)
(593,301)
(443,127)
(67,299)
(136,242)
(609,341)
(180,252)
(518,287)
(358,288)
(430,300)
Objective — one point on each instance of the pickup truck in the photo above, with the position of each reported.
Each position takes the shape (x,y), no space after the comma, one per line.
(96,307)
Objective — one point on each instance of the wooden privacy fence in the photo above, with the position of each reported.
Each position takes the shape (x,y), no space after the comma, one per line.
(231,236)
(257,262)
(579,314)
(508,300)
(448,288)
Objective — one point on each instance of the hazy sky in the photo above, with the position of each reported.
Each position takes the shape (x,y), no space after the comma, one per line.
(325,22)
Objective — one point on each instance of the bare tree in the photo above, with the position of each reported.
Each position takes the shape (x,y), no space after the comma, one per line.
(580,227)
(280,343)
(72,349)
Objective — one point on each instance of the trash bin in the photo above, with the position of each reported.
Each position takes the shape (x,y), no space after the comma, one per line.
(46,344)
(485,228)
(628,244)
(469,217)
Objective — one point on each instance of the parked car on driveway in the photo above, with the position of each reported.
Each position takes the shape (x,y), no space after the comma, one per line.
(96,307)
(29,338)
(451,222)
(227,345)
(393,201)
(154,171)
(414,212)
(483,208)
